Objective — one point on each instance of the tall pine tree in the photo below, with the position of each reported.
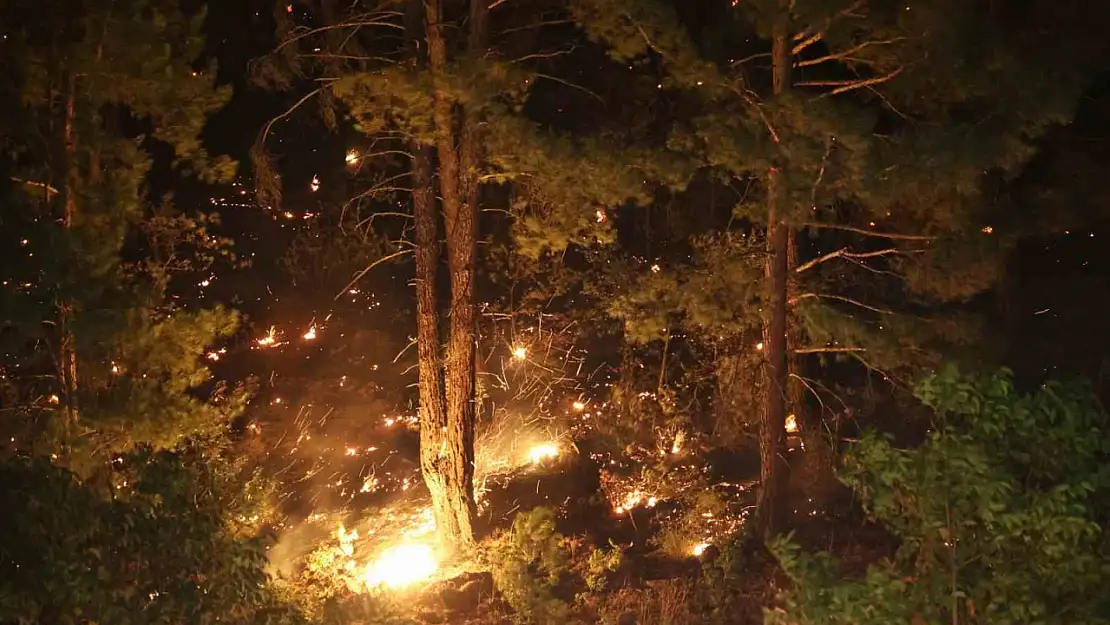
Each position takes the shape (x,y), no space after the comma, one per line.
(868,138)
(455,107)
(98,355)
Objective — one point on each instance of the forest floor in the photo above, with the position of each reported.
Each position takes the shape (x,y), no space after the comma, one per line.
(651,584)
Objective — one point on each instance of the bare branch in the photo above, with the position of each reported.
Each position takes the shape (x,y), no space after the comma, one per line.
(806,42)
(847,300)
(846,54)
(381,187)
(571,85)
(356,22)
(843,86)
(828,350)
(543,55)
(358,276)
(810,36)
(750,57)
(534,25)
(870,233)
(36,185)
(844,253)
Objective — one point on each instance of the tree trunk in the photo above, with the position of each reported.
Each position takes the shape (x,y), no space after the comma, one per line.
(450,474)
(67,344)
(772,426)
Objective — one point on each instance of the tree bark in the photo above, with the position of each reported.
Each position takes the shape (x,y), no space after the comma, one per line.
(67,344)
(772,426)
(450,473)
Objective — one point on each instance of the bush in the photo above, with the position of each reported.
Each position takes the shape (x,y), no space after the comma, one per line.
(999,512)
(527,563)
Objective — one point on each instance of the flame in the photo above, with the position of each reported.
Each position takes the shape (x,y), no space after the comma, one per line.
(679,439)
(352,157)
(791,424)
(699,549)
(315,184)
(542,452)
(401,566)
(270,340)
(634,499)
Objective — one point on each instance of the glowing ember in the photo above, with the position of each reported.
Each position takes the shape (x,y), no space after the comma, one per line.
(542,452)
(699,549)
(579,406)
(352,157)
(520,352)
(791,424)
(401,566)
(759,346)
(634,499)
(315,184)
(679,439)
(270,340)
(311,334)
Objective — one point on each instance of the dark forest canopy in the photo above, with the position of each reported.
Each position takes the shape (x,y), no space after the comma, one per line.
(554,311)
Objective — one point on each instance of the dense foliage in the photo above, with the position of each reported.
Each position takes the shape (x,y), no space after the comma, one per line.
(1000,511)
(572,212)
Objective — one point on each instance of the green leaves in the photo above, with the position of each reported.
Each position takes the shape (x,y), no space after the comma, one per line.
(1003,505)
(157,547)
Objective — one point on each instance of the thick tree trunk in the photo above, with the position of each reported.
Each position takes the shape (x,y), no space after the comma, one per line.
(772,426)
(450,474)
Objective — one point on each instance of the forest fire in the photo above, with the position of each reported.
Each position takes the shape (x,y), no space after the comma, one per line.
(543,452)
(401,566)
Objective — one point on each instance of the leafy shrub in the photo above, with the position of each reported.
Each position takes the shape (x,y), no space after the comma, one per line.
(157,546)
(999,512)
(527,563)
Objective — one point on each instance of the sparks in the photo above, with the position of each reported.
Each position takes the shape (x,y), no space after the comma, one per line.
(315,184)
(699,549)
(311,334)
(352,157)
(578,405)
(520,352)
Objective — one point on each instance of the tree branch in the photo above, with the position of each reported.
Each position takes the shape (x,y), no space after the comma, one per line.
(844,253)
(301,33)
(358,276)
(843,86)
(848,300)
(806,42)
(543,55)
(870,233)
(828,350)
(846,53)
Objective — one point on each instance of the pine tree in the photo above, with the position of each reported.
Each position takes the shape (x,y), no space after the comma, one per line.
(456,114)
(870,135)
(100,357)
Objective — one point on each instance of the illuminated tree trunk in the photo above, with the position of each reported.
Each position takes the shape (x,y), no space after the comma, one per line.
(772,425)
(448,455)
